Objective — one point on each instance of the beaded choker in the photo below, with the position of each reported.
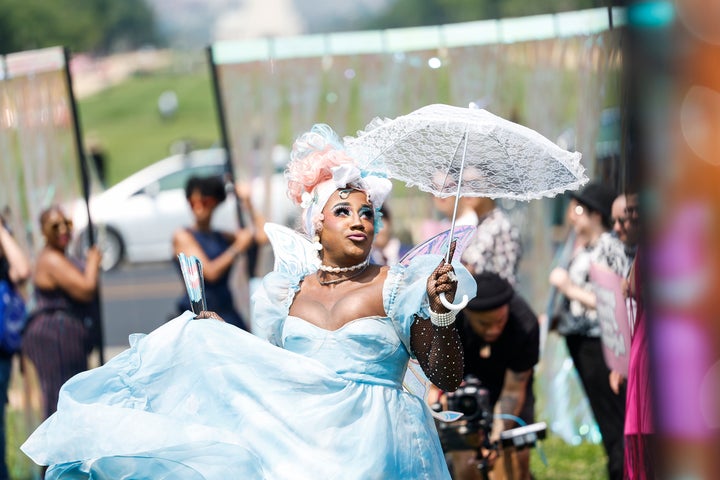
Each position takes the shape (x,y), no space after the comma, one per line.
(342,279)
(328,268)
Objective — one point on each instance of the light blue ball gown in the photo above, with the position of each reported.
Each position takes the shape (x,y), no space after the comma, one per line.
(200,399)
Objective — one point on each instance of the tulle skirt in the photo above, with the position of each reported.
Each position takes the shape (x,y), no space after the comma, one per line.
(206,400)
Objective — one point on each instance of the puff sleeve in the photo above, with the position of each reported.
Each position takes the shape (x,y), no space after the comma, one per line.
(270,305)
(405,295)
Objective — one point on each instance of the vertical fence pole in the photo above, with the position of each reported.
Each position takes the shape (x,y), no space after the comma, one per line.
(97,330)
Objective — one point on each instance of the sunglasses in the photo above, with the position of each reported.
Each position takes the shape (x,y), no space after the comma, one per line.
(206,202)
(198,199)
(55,226)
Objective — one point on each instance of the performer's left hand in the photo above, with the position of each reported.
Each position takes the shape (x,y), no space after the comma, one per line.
(442,280)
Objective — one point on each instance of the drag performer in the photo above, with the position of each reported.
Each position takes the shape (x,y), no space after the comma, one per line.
(317,394)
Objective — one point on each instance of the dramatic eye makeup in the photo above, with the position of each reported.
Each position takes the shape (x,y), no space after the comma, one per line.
(341,209)
(367,212)
(344,209)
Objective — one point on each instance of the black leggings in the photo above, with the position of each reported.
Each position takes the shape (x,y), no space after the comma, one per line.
(608,408)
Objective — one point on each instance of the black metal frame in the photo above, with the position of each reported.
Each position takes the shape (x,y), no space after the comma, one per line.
(97,331)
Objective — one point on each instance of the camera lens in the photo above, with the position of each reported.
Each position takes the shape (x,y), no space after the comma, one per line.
(467,405)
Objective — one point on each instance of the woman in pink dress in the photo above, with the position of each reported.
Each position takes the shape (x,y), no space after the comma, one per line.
(639,425)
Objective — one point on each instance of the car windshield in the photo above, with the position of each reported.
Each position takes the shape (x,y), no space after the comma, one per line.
(177,180)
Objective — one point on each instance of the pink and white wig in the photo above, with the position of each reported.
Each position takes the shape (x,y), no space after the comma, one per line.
(319,165)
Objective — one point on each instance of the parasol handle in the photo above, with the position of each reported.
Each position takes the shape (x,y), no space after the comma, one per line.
(454,306)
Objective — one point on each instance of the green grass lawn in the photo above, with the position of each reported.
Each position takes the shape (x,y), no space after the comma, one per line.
(568,462)
(126,121)
(20,467)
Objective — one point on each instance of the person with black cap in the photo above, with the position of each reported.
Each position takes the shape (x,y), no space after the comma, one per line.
(590,211)
(500,336)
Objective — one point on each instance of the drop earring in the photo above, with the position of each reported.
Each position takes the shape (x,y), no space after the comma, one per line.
(316,242)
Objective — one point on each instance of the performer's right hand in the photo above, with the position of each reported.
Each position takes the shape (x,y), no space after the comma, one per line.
(209,314)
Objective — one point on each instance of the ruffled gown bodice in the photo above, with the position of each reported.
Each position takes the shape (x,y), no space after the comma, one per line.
(366,350)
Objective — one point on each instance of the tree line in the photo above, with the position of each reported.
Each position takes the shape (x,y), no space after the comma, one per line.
(412,13)
(108,26)
(97,26)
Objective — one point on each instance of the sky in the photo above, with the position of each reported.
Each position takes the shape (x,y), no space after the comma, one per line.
(200,22)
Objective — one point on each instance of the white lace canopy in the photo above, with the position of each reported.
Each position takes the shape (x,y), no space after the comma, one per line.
(500,159)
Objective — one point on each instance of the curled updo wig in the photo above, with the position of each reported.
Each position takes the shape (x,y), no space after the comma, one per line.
(320,165)
(313,156)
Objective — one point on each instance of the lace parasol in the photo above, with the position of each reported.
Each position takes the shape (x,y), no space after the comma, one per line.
(440,147)
(446,151)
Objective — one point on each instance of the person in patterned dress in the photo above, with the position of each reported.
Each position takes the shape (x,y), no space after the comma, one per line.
(590,212)
(496,245)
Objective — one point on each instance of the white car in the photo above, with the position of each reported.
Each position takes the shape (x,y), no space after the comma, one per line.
(135,218)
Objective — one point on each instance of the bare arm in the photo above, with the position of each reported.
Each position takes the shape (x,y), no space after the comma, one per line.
(184,242)
(19,262)
(512,397)
(55,270)
(242,190)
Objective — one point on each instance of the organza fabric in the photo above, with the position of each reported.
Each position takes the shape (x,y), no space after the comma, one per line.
(203,399)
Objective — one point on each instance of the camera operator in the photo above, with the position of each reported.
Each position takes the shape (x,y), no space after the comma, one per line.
(500,336)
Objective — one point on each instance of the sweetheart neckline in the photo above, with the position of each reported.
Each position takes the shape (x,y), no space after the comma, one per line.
(355,320)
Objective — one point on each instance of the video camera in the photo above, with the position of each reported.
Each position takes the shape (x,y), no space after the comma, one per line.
(472,430)
(474,427)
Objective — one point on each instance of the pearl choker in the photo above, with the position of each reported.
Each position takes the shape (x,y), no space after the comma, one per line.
(342,279)
(328,268)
